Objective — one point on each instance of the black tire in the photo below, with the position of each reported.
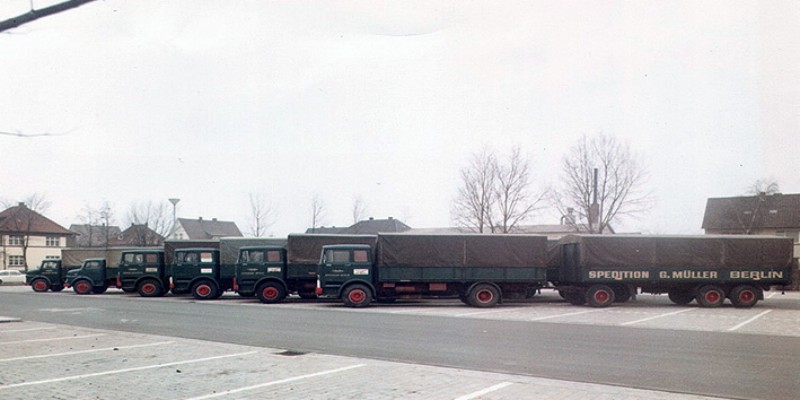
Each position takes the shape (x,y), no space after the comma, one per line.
(82,286)
(57,288)
(483,295)
(576,297)
(99,289)
(562,294)
(270,292)
(710,296)
(357,295)
(150,288)
(621,294)
(599,296)
(204,290)
(680,297)
(744,296)
(39,285)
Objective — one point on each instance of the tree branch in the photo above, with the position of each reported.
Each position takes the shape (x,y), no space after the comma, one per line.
(33,15)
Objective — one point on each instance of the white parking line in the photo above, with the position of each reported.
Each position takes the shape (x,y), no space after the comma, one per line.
(52,339)
(85,351)
(562,315)
(121,371)
(278,382)
(749,321)
(28,330)
(657,316)
(484,391)
(772,294)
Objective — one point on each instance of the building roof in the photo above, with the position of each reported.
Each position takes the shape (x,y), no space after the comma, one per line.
(369,226)
(208,229)
(138,235)
(744,213)
(22,220)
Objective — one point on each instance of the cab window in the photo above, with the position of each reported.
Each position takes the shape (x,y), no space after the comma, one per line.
(92,265)
(360,256)
(337,256)
(274,256)
(151,258)
(206,257)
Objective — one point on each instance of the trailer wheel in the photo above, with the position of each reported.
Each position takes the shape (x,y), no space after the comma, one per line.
(576,297)
(680,297)
(270,292)
(82,287)
(357,295)
(744,296)
(483,295)
(204,290)
(599,296)
(710,296)
(150,288)
(39,285)
(621,294)
(57,288)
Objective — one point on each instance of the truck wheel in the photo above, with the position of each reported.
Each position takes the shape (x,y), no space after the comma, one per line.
(39,285)
(270,292)
(599,296)
(576,297)
(150,288)
(82,287)
(57,288)
(484,295)
(710,296)
(204,290)
(744,296)
(357,296)
(99,289)
(680,297)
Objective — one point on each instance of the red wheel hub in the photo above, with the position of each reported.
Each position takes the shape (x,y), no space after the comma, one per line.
(270,293)
(40,285)
(203,290)
(601,296)
(485,296)
(712,296)
(149,288)
(357,296)
(83,287)
(746,296)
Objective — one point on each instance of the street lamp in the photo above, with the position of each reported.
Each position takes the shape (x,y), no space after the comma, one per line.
(174,202)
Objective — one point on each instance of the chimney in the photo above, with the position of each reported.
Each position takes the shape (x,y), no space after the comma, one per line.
(22,204)
(214,219)
(199,218)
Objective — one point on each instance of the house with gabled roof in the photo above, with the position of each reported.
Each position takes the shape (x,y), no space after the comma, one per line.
(369,226)
(203,229)
(27,238)
(87,235)
(139,235)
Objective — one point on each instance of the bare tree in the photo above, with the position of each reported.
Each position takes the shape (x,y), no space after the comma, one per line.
(764,186)
(514,201)
(359,209)
(97,222)
(620,177)
(262,216)
(33,14)
(317,212)
(22,222)
(474,203)
(155,216)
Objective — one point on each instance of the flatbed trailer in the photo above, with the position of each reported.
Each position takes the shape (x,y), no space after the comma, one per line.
(480,270)
(603,269)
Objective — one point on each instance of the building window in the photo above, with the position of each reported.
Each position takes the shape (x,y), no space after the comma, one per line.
(52,257)
(53,241)
(16,261)
(15,240)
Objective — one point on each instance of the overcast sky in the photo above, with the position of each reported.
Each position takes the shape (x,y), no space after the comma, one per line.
(209,101)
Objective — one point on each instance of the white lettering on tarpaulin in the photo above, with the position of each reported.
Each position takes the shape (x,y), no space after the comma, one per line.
(688,274)
(756,275)
(619,275)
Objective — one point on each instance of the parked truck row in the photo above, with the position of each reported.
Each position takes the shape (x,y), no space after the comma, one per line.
(480,270)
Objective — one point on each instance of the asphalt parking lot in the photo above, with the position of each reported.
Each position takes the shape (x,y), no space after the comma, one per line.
(39,360)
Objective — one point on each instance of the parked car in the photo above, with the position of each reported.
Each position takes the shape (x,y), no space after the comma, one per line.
(11,277)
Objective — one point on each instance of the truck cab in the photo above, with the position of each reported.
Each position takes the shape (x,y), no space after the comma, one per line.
(143,271)
(91,277)
(49,276)
(261,271)
(346,271)
(198,270)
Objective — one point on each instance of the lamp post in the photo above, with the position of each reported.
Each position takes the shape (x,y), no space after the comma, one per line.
(174,202)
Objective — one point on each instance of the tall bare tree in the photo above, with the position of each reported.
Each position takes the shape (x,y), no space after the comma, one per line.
(24,219)
(495,196)
(34,14)
(317,212)
(98,223)
(620,179)
(764,186)
(261,217)
(359,209)
(153,215)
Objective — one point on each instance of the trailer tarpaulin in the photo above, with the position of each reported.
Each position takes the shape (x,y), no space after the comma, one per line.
(465,250)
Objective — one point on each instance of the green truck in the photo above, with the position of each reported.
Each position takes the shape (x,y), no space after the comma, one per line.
(143,271)
(49,276)
(197,270)
(94,276)
(599,270)
(480,270)
(272,272)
